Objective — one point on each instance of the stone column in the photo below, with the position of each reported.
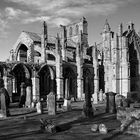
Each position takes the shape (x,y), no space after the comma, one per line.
(5,78)
(59,82)
(96,84)
(59,67)
(14,85)
(79,63)
(35,87)
(66,88)
(125,69)
(87,108)
(79,88)
(96,74)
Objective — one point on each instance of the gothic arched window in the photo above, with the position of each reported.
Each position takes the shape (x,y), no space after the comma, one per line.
(70,31)
(77,29)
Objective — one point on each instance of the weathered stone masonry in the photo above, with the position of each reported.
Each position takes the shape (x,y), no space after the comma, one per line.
(61,64)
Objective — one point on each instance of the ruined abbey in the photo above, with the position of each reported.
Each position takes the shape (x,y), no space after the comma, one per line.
(61,63)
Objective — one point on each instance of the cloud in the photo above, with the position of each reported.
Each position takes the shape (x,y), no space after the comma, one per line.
(55,10)
(12,13)
(59,21)
(3,27)
(42,5)
(69,12)
(58,5)
(35,19)
(7,16)
(52,21)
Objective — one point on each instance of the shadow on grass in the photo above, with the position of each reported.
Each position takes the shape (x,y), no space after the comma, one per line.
(22,114)
(17,135)
(98,118)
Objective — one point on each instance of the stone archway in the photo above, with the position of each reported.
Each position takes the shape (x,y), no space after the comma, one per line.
(46,81)
(21,74)
(69,83)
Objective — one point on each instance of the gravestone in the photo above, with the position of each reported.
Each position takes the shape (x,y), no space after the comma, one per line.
(94,128)
(110,102)
(67,104)
(4,100)
(101,95)
(39,107)
(51,103)
(28,96)
(4,109)
(72,99)
(23,94)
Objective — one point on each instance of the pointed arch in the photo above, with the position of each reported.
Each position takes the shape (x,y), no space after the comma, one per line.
(21,74)
(21,52)
(47,80)
(69,82)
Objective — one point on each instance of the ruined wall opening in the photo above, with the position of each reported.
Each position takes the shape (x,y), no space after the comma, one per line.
(51,57)
(47,81)
(69,83)
(134,68)
(101,78)
(20,75)
(22,53)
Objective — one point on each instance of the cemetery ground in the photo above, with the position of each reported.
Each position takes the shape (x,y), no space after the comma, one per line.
(24,124)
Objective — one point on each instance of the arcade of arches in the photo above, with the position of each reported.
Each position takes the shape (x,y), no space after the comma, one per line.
(41,79)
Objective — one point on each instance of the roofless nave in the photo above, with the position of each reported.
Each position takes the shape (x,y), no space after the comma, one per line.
(62,63)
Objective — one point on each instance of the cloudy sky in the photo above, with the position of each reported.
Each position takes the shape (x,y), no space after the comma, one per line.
(19,15)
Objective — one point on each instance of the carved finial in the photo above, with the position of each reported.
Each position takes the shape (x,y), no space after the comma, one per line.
(95,44)
(130,25)
(106,26)
(120,29)
(57,43)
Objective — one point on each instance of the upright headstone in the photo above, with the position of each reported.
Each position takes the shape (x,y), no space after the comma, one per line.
(22,94)
(51,103)
(28,96)
(110,102)
(4,100)
(67,104)
(101,95)
(39,107)
(3,111)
